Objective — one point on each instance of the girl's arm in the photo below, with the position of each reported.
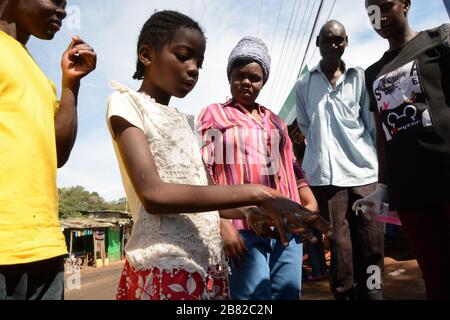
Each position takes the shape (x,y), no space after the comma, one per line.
(307,199)
(235,213)
(160,197)
(233,245)
(168,198)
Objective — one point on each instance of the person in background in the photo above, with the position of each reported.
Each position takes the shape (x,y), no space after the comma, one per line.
(246,143)
(410,97)
(340,162)
(315,251)
(175,251)
(37,133)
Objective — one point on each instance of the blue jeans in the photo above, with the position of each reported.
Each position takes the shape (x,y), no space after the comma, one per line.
(270,271)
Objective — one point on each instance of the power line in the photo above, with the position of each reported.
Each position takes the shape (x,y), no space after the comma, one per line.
(276,26)
(281,74)
(283,47)
(261,4)
(298,56)
(312,33)
(296,52)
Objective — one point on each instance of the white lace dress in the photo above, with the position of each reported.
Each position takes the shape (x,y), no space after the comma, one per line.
(191,242)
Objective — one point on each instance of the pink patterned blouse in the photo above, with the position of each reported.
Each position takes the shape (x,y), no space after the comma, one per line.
(239,149)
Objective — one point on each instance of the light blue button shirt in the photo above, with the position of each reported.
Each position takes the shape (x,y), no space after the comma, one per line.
(339,129)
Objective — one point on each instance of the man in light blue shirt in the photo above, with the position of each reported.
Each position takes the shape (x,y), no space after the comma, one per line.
(340,162)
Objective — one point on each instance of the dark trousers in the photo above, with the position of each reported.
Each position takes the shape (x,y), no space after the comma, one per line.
(41,280)
(357,244)
(316,256)
(428,232)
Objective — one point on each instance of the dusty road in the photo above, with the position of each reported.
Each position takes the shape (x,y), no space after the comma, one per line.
(402,280)
(96,284)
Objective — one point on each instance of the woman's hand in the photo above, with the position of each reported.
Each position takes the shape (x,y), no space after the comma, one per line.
(233,244)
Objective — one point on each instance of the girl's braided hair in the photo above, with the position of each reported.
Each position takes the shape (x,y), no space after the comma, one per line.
(159,30)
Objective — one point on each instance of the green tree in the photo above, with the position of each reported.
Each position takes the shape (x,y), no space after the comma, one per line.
(75,200)
(118,205)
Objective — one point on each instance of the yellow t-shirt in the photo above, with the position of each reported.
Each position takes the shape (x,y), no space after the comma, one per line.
(29,224)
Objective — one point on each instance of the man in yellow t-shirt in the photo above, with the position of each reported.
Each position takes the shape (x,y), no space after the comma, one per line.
(37,134)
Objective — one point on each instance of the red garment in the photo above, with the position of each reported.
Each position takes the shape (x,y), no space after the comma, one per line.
(180,284)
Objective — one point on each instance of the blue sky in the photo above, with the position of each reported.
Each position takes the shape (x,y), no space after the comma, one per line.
(112,28)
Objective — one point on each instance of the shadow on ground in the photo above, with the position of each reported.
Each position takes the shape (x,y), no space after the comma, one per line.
(402,279)
(402,276)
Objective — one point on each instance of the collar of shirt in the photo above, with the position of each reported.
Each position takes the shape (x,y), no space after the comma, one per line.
(262,111)
(347,68)
(338,127)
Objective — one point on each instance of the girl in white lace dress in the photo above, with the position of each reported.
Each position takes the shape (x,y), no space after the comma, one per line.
(175,250)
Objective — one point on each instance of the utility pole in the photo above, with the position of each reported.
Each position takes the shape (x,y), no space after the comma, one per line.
(447,6)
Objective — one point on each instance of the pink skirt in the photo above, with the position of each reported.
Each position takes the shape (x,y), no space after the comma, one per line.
(179,284)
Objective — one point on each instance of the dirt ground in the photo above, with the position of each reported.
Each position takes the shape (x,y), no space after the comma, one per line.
(402,279)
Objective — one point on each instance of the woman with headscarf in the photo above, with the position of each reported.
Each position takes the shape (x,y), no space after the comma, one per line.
(244,143)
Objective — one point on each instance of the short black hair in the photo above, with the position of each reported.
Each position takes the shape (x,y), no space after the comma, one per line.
(159,30)
(332,23)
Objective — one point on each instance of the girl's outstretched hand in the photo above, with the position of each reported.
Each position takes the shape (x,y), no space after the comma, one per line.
(288,216)
(77,61)
(318,222)
(260,224)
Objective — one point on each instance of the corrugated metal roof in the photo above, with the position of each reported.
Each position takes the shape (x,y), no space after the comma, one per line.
(83,223)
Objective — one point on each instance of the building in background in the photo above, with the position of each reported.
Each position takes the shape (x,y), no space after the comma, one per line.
(288,112)
(98,238)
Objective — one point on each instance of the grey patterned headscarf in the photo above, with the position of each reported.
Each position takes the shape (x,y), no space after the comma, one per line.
(251,48)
